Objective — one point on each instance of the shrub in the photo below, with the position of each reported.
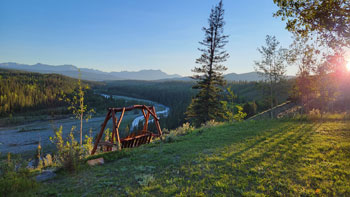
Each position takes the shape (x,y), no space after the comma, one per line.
(240,115)
(48,160)
(184,129)
(170,136)
(14,176)
(69,152)
(209,124)
(250,109)
(314,114)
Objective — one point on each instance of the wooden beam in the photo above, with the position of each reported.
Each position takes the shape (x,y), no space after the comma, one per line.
(157,121)
(148,108)
(103,126)
(145,126)
(143,112)
(119,109)
(114,126)
(150,111)
(117,128)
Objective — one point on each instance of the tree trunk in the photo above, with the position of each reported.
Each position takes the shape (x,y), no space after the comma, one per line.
(271,100)
(81,129)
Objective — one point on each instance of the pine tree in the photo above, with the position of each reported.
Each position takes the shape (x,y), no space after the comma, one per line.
(207,105)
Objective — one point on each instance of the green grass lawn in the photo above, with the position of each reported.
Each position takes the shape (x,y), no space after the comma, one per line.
(263,158)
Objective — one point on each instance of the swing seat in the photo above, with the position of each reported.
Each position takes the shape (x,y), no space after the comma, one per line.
(135,141)
(106,146)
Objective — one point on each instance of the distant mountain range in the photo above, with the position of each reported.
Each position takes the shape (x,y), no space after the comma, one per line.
(249,77)
(97,75)
(90,74)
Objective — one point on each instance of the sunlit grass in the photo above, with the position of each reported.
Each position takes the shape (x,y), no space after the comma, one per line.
(265,158)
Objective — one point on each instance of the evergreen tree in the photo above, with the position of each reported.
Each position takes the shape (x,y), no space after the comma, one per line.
(207,105)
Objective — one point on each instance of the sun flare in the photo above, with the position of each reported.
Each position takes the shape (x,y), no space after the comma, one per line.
(348,66)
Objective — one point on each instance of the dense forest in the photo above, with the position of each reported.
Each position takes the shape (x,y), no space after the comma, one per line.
(22,92)
(178,94)
(174,94)
(27,93)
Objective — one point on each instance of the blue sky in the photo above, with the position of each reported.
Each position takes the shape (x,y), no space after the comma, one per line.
(115,35)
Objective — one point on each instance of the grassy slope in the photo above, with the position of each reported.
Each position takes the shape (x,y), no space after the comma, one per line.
(249,158)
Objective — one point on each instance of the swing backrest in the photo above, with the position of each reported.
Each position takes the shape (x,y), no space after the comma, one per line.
(131,142)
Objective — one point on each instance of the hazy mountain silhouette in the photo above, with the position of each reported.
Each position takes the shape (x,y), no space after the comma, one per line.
(97,75)
(250,76)
(144,75)
(89,74)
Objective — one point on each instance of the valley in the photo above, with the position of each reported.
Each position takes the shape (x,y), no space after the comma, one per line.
(26,137)
(175,98)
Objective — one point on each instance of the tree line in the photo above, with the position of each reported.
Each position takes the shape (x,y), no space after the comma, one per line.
(321,32)
(22,92)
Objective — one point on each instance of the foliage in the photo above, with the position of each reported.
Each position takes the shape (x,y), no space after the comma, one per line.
(69,152)
(233,112)
(250,158)
(314,114)
(177,96)
(15,178)
(250,108)
(144,179)
(77,106)
(108,135)
(206,104)
(22,92)
(240,115)
(328,21)
(170,136)
(272,65)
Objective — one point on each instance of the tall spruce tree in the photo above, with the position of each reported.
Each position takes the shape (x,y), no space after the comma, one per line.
(207,105)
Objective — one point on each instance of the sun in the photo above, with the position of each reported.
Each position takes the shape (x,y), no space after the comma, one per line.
(348,66)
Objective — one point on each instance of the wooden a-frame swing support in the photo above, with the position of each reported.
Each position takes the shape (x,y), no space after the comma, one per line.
(133,140)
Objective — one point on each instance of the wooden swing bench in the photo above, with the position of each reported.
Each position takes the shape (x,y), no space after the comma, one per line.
(134,139)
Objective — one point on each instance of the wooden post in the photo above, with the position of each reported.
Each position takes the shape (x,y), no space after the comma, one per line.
(114,120)
(103,126)
(156,119)
(116,127)
(143,112)
(145,126)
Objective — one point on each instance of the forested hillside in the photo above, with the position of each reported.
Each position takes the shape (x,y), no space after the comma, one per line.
(178,94)
(23,91)
(174,94)
(39,94)
(30,94)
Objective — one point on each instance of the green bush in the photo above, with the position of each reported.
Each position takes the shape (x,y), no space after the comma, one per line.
(15,177)
(69,152)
